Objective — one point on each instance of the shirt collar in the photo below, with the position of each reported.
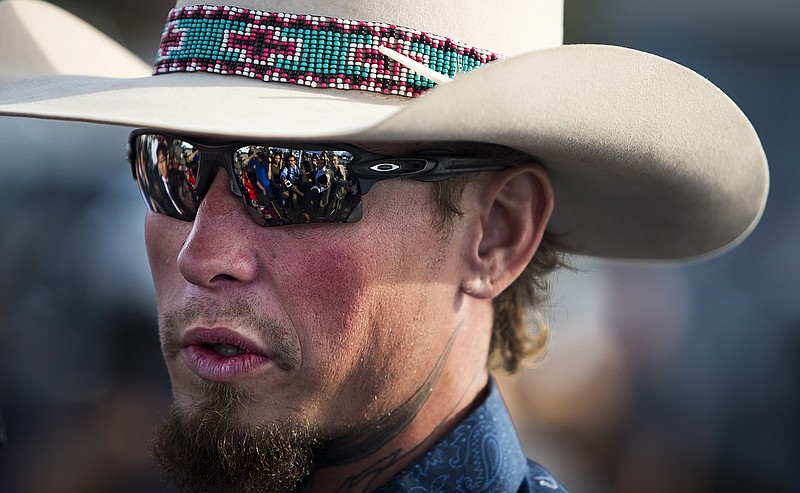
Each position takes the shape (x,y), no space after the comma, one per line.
(482,453)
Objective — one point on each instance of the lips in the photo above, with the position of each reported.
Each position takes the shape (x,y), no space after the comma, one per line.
(222,355)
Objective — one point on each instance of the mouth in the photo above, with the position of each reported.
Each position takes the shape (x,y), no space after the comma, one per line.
(225,350)
(222,355)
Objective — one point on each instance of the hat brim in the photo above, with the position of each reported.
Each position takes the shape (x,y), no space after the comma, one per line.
(648,159)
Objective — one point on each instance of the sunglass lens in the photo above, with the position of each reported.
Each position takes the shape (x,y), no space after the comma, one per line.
(295,186)
(166,170)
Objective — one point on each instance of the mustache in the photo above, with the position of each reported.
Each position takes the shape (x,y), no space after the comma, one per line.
(280,339)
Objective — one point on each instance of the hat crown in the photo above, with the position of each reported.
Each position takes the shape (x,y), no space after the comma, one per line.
(507,27)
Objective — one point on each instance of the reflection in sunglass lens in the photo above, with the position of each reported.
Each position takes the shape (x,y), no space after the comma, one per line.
(293,186)
(166,170)
(278,185)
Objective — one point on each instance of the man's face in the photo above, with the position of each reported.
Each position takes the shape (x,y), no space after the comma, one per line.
(162,163)
(333,325)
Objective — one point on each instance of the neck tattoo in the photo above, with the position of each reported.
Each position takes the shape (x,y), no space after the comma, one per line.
(375,435)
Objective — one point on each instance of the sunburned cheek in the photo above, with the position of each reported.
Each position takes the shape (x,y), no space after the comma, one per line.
(346,296)
(349,318)
(334,286)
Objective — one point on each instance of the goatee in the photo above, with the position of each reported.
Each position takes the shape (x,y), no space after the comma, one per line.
(206,449)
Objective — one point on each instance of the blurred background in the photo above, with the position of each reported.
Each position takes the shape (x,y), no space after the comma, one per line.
(660,378)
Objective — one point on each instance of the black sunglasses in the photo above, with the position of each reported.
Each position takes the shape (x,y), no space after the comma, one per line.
(279,183)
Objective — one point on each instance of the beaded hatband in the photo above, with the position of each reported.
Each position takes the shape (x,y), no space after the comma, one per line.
(308,50)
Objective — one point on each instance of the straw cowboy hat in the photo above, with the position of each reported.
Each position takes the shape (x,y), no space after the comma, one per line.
(647,158)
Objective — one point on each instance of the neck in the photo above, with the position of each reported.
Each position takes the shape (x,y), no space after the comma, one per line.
(369,472)
(368,458)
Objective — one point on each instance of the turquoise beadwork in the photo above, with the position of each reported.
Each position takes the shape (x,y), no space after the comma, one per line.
(307,50)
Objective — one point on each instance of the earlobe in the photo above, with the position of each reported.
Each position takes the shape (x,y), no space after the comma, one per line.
(513,208)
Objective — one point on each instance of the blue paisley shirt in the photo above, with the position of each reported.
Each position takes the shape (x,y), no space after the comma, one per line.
(481,454)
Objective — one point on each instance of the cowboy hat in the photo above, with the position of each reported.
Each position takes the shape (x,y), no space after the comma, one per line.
(648,159)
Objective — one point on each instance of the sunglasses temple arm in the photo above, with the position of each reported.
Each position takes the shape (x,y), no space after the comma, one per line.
(448,167)
(444,169)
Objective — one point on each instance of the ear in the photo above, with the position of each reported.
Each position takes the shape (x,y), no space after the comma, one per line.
(513,208)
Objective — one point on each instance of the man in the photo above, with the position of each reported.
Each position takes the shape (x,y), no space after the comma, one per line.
(291,171)
(469,196)
(290,176)
(262,170)
(256,176)
(323,177)
(339,182)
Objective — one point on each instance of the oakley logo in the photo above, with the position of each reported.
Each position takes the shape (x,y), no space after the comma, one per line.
(385,167)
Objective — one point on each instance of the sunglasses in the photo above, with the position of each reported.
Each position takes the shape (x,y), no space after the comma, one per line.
(279,183)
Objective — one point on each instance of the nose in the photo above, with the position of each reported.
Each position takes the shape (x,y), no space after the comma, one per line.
(219,250)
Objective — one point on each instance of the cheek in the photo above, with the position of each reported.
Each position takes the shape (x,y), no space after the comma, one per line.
(328,296)
(163,239)
(359,318)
